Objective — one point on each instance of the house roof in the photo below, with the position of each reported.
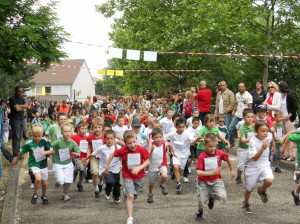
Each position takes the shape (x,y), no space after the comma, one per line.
(63,73)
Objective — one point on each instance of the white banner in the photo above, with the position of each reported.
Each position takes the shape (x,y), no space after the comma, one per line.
(150,56)
(115,53)
(133,55)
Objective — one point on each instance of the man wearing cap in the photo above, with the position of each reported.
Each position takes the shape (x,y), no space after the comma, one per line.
(204,100)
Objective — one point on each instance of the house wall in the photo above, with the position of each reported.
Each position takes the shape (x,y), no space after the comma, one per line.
(55,90)
(83,85)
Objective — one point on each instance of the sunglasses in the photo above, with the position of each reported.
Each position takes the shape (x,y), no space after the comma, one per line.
(271,87)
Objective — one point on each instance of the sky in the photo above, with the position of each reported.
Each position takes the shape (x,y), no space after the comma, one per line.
(84,24)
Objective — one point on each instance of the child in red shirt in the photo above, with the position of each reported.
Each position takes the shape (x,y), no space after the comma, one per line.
(134,161)
(95,142)
(81,140)
(210,184)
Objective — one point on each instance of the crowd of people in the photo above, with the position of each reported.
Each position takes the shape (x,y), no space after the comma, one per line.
(116,142)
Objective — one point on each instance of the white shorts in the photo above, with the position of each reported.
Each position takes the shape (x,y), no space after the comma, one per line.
(242,155)
(43,172)
(180,161)
(153,175)
(253,175)
(64,174)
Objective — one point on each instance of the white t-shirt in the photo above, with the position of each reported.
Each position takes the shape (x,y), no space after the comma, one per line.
(156,158)
(104,153)
(193,132)
(242,102)
(181,143)
(167,125)
(283,108)
(119,131)
(221,105)
(254,146)
(189,122)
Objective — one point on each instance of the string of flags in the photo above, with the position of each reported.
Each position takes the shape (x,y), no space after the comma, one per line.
(135,55)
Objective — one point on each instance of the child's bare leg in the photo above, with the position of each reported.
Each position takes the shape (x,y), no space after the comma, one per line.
(37,183)
(177,173)
(44,187)
(129,203)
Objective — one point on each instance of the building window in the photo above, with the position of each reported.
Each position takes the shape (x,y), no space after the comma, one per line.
(48,90)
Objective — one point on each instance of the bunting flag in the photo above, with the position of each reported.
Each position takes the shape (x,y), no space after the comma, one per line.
(115,53)
(133,55)
(150,56)
(119,73)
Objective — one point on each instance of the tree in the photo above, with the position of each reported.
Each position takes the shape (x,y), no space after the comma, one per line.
(236,26)
(30,40)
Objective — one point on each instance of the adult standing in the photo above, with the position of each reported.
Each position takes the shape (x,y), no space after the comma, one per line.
(225,102)
(258,95)
(243,101)
(289,111)
(18,106)
(204,100)
(64,108)
(272,102)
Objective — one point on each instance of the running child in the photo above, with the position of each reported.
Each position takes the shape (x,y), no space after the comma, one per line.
(210,184)
(246,132)
(39,149)
(95,142)
(167,123)
(64,150)
(258,167)
(223,131)
(180,142)
(134,161)
(158,163)
(80,163)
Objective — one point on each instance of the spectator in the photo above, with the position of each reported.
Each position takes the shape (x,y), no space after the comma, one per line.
(243,101)
(63,108)
(272,102)
(225,102)
(18,106)
(259,95)
(204,100)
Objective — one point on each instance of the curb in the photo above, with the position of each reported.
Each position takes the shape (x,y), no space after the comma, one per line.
(10,202)
(287,165)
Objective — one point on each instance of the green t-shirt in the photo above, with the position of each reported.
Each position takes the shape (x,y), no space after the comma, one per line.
(36,159)
(54,132)
(295,137)
(62,151)
(245,132)
(202,132)
(46,124)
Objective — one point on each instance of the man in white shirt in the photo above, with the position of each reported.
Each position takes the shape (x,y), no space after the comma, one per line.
(243,100)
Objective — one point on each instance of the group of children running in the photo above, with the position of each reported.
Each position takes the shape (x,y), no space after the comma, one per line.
(122,154)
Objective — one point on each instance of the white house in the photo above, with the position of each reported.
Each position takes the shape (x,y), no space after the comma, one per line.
(70,79)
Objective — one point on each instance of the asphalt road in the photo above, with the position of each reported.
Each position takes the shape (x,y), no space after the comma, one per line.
(171,209)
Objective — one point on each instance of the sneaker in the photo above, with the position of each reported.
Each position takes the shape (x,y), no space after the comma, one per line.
(150,198)
(117,201)
(79,187)
(135,196)
(31,186)
(129,220)
(277,170)
(185,180)
(211,203)
(97,194)
(190,170)
(67,197)
(163,189)
(45,200)
(263,196)
(199,215)
(34,199)
(247,208)
(107,197)
(296,198)
(178,189)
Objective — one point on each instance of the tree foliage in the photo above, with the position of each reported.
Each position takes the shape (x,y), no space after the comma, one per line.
(236,26)
(30,40)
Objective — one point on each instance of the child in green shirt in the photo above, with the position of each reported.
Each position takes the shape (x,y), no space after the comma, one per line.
(64,149)
(38,149)
(246,131)
(54,132)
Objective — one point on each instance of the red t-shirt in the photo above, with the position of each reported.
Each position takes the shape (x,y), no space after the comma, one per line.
(63,108)
(92,138)
(220,155)
(130,158)
(204,100)
(82,142)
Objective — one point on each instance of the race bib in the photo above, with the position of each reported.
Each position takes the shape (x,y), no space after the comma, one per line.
(157,156)
(133,160)
(64,154)
(96,144)
(83,146)
(38,154)
(210,163)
